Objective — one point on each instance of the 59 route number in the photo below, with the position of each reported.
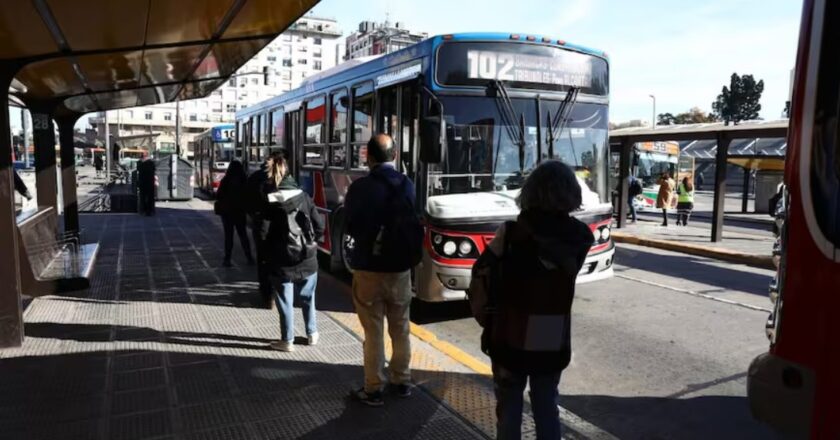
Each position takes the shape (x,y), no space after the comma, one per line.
(490,65)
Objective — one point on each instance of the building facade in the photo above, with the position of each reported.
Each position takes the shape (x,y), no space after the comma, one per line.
(380,38)
(309,46)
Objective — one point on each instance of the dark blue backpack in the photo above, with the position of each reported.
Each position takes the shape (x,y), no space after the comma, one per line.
(399,241)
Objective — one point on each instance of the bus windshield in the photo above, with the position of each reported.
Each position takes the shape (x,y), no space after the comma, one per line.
(483,157)
(224,151)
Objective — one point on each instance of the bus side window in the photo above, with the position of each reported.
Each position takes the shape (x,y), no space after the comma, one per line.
(313,142)
(277,119)
(362,124)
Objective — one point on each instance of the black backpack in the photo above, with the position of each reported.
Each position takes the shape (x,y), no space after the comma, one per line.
(519,294)
(635,188)
(299,242)
(399,241)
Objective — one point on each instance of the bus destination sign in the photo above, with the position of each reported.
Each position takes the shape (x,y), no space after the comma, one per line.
(506,66)
(522,66)
(223,134)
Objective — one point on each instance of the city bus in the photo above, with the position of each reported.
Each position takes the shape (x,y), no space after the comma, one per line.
(650,160)
(128,157)
(795,386)
(212,152)
(471,115)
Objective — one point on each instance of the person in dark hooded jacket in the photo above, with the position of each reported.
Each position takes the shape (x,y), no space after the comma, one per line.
(230,205)
(295,228)
(523,299)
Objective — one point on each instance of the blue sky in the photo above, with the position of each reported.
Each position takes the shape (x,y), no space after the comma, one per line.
(682,52)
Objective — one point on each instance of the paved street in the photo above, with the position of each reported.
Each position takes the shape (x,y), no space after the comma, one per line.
(661,350)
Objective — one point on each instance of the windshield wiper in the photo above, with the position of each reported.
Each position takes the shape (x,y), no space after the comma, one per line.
(508,114)
(561,119)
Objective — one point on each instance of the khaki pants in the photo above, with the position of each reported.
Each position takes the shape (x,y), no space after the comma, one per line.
(376,296)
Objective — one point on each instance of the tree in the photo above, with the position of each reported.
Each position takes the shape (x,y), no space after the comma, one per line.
(693,116)
(739,101)
(666,119)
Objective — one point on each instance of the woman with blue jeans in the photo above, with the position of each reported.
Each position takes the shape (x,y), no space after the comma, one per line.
(295,228)
(521,293)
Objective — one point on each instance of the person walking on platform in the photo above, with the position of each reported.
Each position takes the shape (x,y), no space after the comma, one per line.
(634,188)
(685,201)
(295,229)
(256,202)
(380,214)
(665,197)
(230,205)
(521,293)
(146,186)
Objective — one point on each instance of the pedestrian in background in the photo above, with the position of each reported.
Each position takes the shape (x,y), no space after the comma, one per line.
(146,186)
(685,201)
(634,188)
(521,293)
(295,229)
(665,197)
(256,203)
(98,163)
(382,220)
(230,205)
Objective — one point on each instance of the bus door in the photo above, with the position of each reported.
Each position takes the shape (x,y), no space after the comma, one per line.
(292,140)
(399,110)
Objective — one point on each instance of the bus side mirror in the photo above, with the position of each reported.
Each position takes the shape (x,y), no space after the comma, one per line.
(432,139)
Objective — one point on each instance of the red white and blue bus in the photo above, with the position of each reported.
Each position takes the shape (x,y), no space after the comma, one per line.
(213,151)
(471,116)
(795,387)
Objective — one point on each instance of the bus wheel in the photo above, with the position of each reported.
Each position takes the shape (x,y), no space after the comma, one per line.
(341,246)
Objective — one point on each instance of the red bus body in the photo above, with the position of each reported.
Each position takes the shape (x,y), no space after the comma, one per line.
(795,387)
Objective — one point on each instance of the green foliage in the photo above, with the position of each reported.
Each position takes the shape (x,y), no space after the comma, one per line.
(693,116)
(739,101)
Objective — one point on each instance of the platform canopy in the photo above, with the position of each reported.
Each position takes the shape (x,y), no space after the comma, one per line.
(692,132)
(79,56)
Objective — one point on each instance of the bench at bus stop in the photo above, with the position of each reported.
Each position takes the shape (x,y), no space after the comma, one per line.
(51,262)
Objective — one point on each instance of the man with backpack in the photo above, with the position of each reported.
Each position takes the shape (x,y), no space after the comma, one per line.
(291,248)
(388,237)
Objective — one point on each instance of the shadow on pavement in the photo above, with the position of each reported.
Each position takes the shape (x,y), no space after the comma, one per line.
(695,269)
(704,417)
(152,394)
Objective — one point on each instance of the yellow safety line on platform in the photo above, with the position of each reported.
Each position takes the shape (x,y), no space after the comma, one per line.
(450,350)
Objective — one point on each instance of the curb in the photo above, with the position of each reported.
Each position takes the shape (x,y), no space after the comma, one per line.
(760,261)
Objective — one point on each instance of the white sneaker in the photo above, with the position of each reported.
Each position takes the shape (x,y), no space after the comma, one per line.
(313,338)
(282,345)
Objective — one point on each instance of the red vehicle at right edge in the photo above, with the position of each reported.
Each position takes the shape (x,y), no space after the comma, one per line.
(795,387)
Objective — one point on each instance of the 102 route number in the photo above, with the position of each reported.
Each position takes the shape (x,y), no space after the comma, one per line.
(490,65)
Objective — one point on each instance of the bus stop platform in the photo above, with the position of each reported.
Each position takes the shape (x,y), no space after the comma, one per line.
(753,248)
(166,344)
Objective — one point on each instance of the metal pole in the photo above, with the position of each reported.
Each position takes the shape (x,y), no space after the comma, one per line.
(24,123)
(653,119)
(108,164)
(178,127)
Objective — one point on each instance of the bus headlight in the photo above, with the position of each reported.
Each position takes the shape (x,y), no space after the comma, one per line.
(449,248)
(605,233)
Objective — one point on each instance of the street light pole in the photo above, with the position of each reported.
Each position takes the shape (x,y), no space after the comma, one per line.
(653,119)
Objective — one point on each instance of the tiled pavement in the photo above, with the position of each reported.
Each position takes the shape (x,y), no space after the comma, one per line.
(167,345)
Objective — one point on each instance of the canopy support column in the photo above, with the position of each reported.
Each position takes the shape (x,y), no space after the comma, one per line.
(720,186)
(43,135)
(11,310)
(623,184)
(745,195)
(68,173)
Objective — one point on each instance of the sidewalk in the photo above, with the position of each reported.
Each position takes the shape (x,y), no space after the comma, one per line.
(754,249)
(167,345)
